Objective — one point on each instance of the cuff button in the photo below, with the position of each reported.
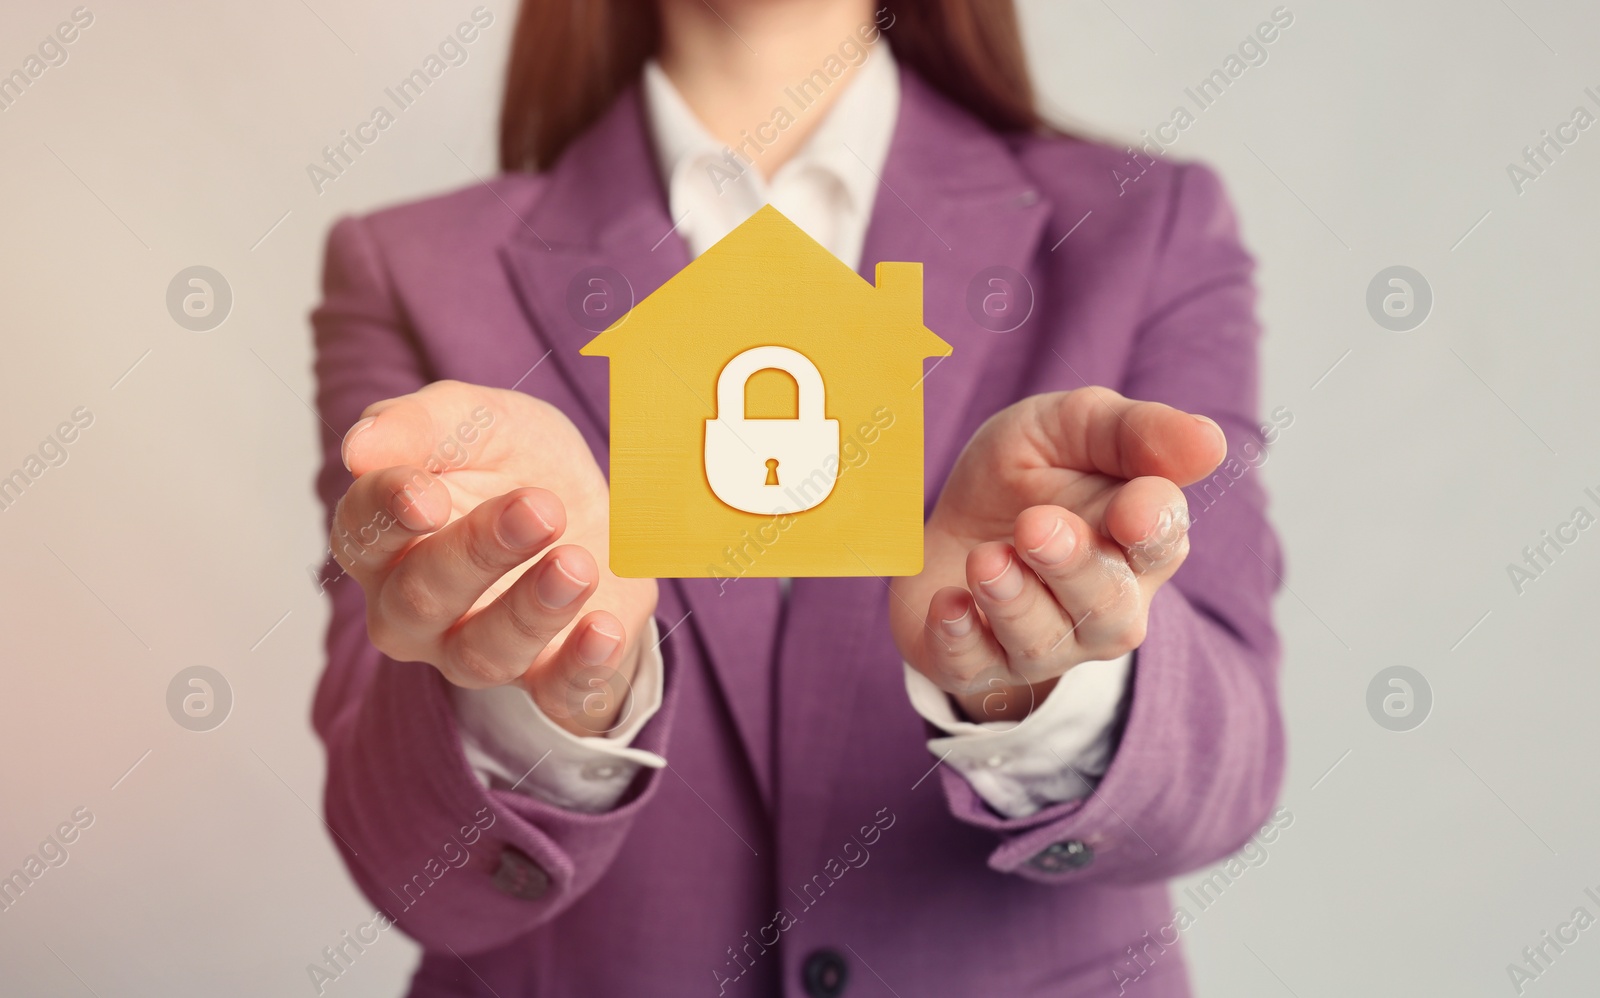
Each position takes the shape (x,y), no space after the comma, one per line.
(520,877)
(1073,854)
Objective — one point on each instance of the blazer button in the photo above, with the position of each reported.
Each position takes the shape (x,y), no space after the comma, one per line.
(1073,854)
(825,974)
(520,876)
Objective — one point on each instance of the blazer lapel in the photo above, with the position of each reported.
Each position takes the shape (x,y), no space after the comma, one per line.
(953,197)
(596,242)
(602,227)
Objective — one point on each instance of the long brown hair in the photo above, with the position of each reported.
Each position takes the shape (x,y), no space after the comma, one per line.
(571,58)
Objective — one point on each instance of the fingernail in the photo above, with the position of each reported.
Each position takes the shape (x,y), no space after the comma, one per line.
(1056,548)
(596,645)
(521,527)
(557,588)
(958,627)
(1005,586)
(407,507)
(349,438)
(1223,437)
(1162,542)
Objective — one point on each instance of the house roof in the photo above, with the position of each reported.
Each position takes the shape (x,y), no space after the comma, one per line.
(768,270)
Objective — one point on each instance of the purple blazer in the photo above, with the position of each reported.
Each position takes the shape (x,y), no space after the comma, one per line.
(802,840)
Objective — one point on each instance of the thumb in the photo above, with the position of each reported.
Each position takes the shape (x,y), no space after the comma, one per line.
(432,428)
(1098,430)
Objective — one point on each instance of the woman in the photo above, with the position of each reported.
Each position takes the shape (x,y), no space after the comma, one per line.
(976,782)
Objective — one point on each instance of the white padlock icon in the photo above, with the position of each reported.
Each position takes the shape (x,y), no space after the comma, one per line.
(771,466)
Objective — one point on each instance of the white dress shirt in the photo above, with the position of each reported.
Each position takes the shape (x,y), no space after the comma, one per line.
(828,188)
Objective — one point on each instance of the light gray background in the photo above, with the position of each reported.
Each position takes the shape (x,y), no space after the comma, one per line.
(1418,466)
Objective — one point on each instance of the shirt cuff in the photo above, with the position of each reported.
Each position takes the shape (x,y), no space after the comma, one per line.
(512,744)
(1055,754)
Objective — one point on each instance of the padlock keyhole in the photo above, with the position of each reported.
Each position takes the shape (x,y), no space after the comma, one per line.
(772,471)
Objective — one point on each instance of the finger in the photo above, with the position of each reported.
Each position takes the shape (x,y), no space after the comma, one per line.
(441,577)
(411,429)
(584,687)
(1149,517)
(964,659)
(1028,621)
(1087,575)
(959,653)
(1096,429)
(381,515)
(502,641)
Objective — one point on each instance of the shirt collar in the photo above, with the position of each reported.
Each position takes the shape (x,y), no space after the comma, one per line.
(679,139)
(850,144)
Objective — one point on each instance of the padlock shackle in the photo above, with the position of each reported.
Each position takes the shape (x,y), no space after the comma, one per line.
(736,375)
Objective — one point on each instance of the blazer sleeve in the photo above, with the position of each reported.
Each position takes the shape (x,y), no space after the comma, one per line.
(454,863)
(1201,755)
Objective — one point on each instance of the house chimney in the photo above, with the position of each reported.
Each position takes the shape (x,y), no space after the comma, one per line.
(902,282)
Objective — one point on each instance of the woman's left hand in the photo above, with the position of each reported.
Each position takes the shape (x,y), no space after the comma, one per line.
(1062,517)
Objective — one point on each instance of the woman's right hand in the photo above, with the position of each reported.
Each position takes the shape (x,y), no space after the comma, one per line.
(459,493)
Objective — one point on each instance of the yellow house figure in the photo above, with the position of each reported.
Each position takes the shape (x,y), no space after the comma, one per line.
(767,414)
